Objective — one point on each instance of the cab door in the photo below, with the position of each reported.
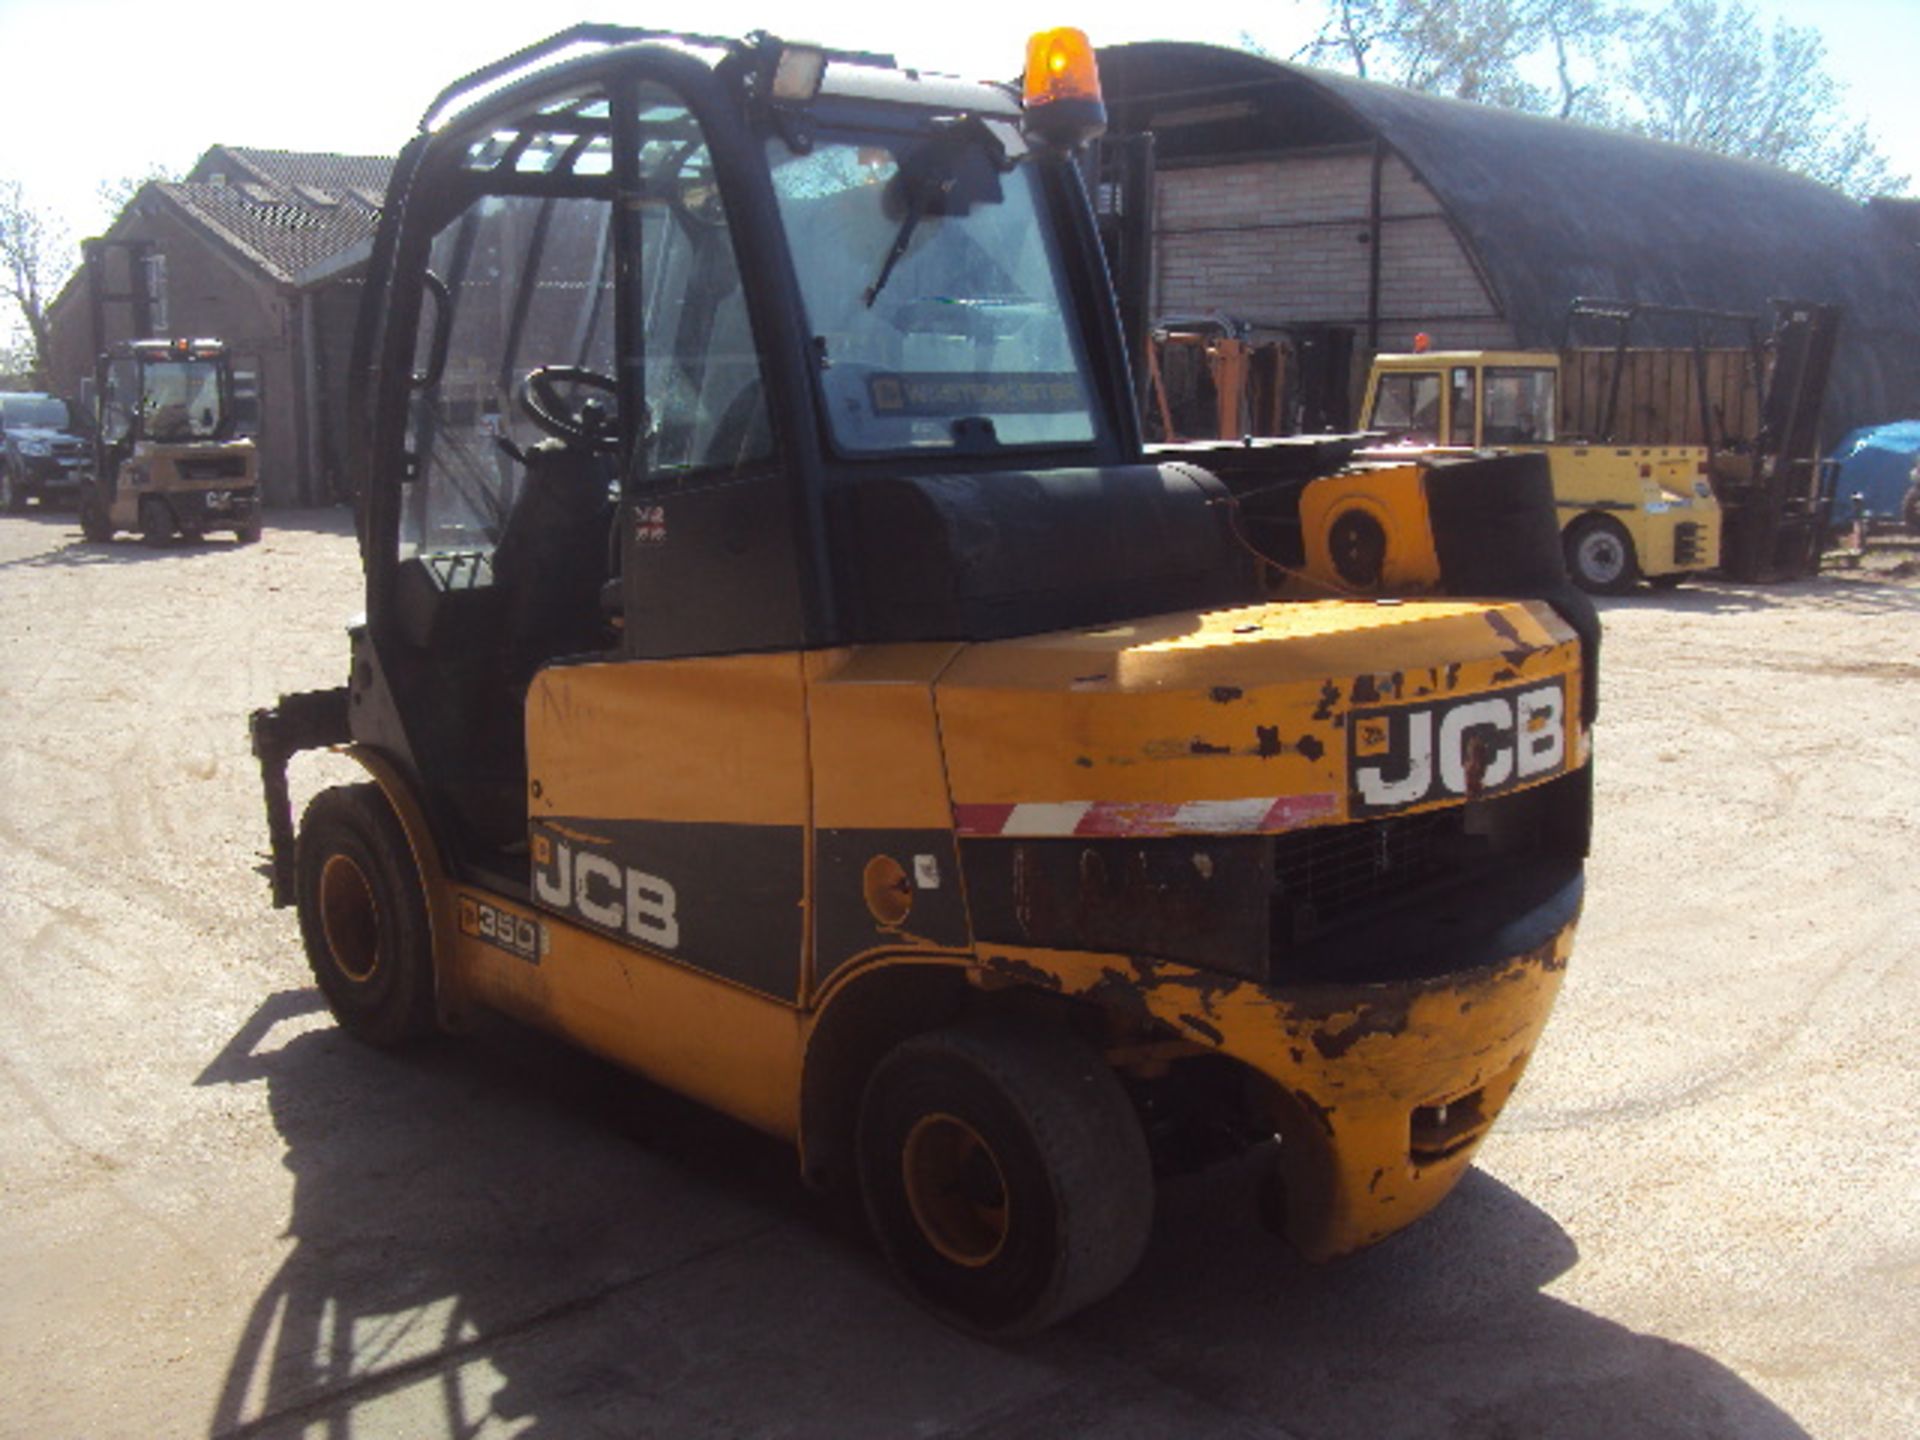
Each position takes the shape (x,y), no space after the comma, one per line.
(667,785)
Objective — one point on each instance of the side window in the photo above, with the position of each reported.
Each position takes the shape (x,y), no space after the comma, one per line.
(704,394)
(1407,406)
(1519,406)
(523,282)
(527,284)
(1460,412)
(123,388)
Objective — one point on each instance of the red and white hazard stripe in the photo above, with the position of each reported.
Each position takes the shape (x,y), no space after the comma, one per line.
(1257,815)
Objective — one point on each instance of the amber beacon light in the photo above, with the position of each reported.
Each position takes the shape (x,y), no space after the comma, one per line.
(1063,103)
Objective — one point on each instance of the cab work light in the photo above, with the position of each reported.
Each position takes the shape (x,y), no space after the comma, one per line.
(1062,91)
(797,73)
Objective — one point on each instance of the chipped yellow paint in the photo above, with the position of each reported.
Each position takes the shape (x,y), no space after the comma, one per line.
(1348,1067)
(1227,704)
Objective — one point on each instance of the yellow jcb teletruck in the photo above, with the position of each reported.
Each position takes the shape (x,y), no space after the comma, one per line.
(785,673)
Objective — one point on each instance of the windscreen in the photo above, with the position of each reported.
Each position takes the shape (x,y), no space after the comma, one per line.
(1406,406)
(932,291)
(38,411)
(180,399)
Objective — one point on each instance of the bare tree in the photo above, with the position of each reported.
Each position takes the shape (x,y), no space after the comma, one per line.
(115,194)
(1705,75)
(1699,72)
(1481,50)
(35,256)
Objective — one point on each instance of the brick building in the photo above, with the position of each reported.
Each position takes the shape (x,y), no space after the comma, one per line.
(1350,216)
(243,249)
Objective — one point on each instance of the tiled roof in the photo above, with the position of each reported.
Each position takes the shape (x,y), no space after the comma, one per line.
(279,231)
(288,168)
(282,209)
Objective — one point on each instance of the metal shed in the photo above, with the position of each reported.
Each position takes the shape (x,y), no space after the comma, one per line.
(1291,197)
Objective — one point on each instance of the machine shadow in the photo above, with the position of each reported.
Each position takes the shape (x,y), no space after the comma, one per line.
(1845,591)
(499,1232)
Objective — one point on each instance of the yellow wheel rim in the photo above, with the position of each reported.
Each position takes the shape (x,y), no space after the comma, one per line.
(349,918)
(955,1189)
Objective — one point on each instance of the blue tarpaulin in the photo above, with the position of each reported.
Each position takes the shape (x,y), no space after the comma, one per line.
(1877,463)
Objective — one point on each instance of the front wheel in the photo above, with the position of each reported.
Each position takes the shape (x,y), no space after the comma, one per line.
(363,916)
(13,497)
(249,533)
(156,521)
(1005,1174)
(1600,556)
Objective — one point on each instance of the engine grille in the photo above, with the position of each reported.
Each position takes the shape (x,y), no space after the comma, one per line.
(1686,543)
(1321,877)
(214,467)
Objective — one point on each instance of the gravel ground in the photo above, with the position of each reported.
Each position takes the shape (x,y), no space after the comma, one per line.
(1700,1217)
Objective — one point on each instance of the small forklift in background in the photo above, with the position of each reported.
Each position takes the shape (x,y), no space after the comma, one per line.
(166,459)
(786,673)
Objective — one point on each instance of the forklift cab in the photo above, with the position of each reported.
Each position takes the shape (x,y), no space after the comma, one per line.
(167,391)
(706,351)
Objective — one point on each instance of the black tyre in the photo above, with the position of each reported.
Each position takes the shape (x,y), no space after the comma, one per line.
(1600,556)
(248,533)
(13,496)
(1910,508)
(1005,1175)
(94,524)
(156,520)
(363,916)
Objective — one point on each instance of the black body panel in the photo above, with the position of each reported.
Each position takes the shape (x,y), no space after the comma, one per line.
(984,557)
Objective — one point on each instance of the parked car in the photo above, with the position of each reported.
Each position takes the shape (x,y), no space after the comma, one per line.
(44,451)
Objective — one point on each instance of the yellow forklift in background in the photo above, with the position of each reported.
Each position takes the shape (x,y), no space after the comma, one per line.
(1628,512)
(786,673)
(166,458)
(1666,460)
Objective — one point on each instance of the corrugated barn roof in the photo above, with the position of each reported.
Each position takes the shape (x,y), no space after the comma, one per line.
(1552,210)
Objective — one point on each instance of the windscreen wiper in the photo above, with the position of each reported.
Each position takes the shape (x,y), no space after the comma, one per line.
(903,237)
(928,177)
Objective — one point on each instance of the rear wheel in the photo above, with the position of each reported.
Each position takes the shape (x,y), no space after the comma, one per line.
(156,521)
(363,916)
(1005,1175)
(13,497)
(94,524)
(1600,556)
(248,533)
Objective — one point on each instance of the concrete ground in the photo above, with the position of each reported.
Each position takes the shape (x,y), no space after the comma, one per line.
(1700,1216)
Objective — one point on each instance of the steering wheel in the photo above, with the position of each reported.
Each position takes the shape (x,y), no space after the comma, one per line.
(591,426)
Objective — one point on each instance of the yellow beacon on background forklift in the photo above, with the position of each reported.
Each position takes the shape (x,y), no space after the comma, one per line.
(786,673)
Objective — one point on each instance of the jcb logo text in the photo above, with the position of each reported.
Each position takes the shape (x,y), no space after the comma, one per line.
(1476,745)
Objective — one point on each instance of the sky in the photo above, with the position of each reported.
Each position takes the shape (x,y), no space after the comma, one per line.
(99,90)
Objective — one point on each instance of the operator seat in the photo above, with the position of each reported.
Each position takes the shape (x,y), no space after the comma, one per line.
(552,559)
(548,570)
